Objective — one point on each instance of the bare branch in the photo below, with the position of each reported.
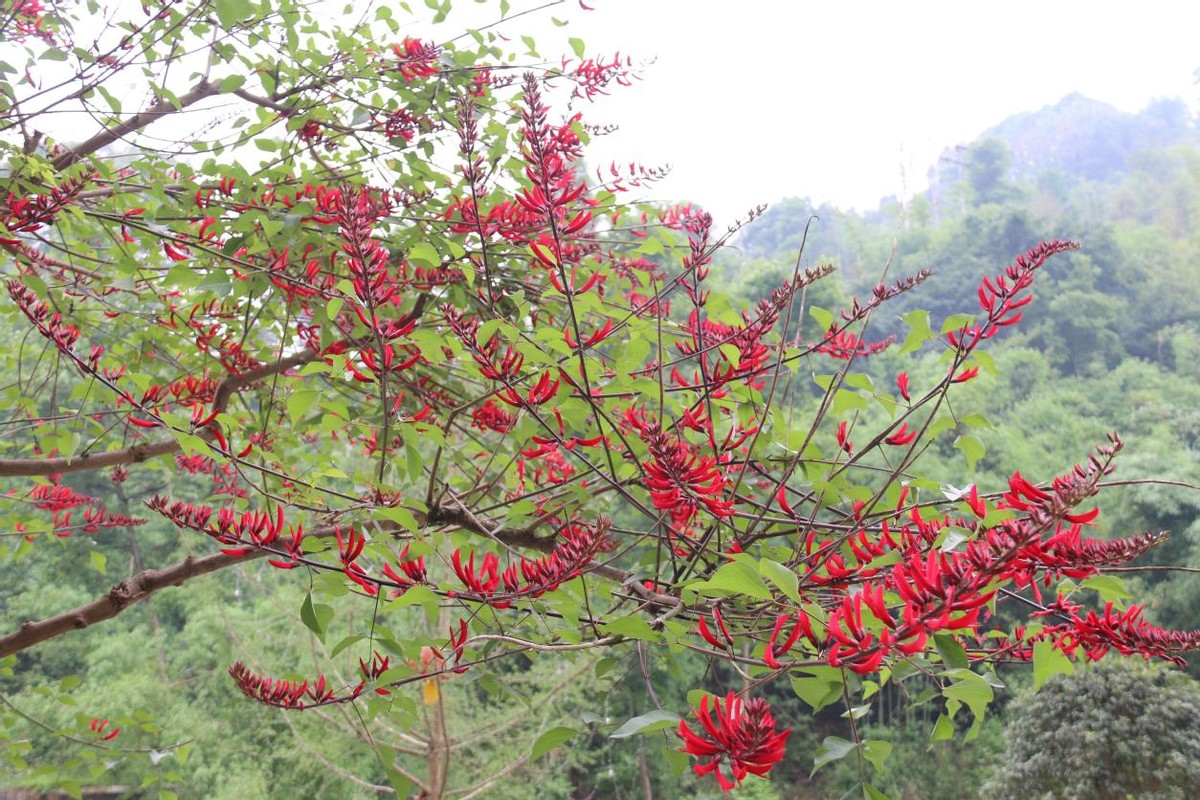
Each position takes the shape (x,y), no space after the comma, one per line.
(120,597)
(143,451)
(73,155)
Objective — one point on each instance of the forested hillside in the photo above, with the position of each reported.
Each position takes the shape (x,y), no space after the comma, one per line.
(1112,341)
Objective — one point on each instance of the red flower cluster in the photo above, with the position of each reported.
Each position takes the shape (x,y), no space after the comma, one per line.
(27,214)
(741,733)
(578,545)
(99,728)
(280,693)
(1001,298)
(416,59)
(681,481)
(51,326)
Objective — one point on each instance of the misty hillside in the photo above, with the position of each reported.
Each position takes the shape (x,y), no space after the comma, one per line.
(1077,138)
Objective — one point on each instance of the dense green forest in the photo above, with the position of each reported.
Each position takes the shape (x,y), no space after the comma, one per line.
(1112,342)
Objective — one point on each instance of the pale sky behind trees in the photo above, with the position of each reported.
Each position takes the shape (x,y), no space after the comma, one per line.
(848,102)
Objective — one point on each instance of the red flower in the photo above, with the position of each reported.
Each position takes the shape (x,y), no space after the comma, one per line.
(843,439)
(681,481)
(965,375)
(742,732)
(902,385)
(902,436)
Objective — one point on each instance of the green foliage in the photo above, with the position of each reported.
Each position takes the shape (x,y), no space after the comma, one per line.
(1109,732)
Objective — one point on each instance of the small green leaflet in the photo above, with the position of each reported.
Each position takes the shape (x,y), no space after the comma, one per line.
(833,748)
(646,723)
(632,628)
(919,331)
(1049,661)
(424,254)
(229,12)
(970,447)
(316,617)
(577,46)
(736,577)
(876,752)
(783,578)
(550,740)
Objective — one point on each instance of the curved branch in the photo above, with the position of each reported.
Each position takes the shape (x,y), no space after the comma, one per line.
(120,597)
(73,155)
(142,451)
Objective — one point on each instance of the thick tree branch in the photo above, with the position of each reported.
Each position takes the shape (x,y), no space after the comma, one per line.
(73,155)
(139,587)
(142,451)
(119,598)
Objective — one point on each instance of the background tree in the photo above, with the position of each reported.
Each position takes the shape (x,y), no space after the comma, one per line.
(1112,731)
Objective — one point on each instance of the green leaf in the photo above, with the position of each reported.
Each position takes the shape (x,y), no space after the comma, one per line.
(316,617)
(1049,661)
(876,752)
(632,628)
(550,740)
(821,689)
(955,322)
(344,643)
(300,402)
(822,317)
(943,729)
(401,784)
(952,652)
(401,516)
(99,561)
(1110,587)
(646,723)
(919,331)
(229,12)
(970,447)
(232,83)
(425,255)
(577,46)
(833,748)
(736,577)
(783,578)
(871,793)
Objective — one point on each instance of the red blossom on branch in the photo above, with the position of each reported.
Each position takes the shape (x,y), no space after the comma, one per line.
(295,695)
(738,736)
(97,726)
(681,481)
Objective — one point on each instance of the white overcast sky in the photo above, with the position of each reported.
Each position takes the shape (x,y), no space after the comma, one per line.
(756,100)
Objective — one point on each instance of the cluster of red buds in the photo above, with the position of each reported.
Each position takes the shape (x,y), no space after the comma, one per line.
(27,214)
(576,548)
(62,335)
(1002,297)
(281,693)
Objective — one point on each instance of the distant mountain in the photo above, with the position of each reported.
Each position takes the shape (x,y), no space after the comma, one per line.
(1078,137)
(1086,138)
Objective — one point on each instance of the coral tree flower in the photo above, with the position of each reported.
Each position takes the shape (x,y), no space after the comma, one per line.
(741,732)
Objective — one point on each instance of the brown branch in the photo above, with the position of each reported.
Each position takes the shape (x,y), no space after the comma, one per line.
(139,587)
(73,155)
(143,451)
(124,594)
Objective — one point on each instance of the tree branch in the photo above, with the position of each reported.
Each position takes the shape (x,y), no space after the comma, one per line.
(73,155)
(120,597)
(143,451)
